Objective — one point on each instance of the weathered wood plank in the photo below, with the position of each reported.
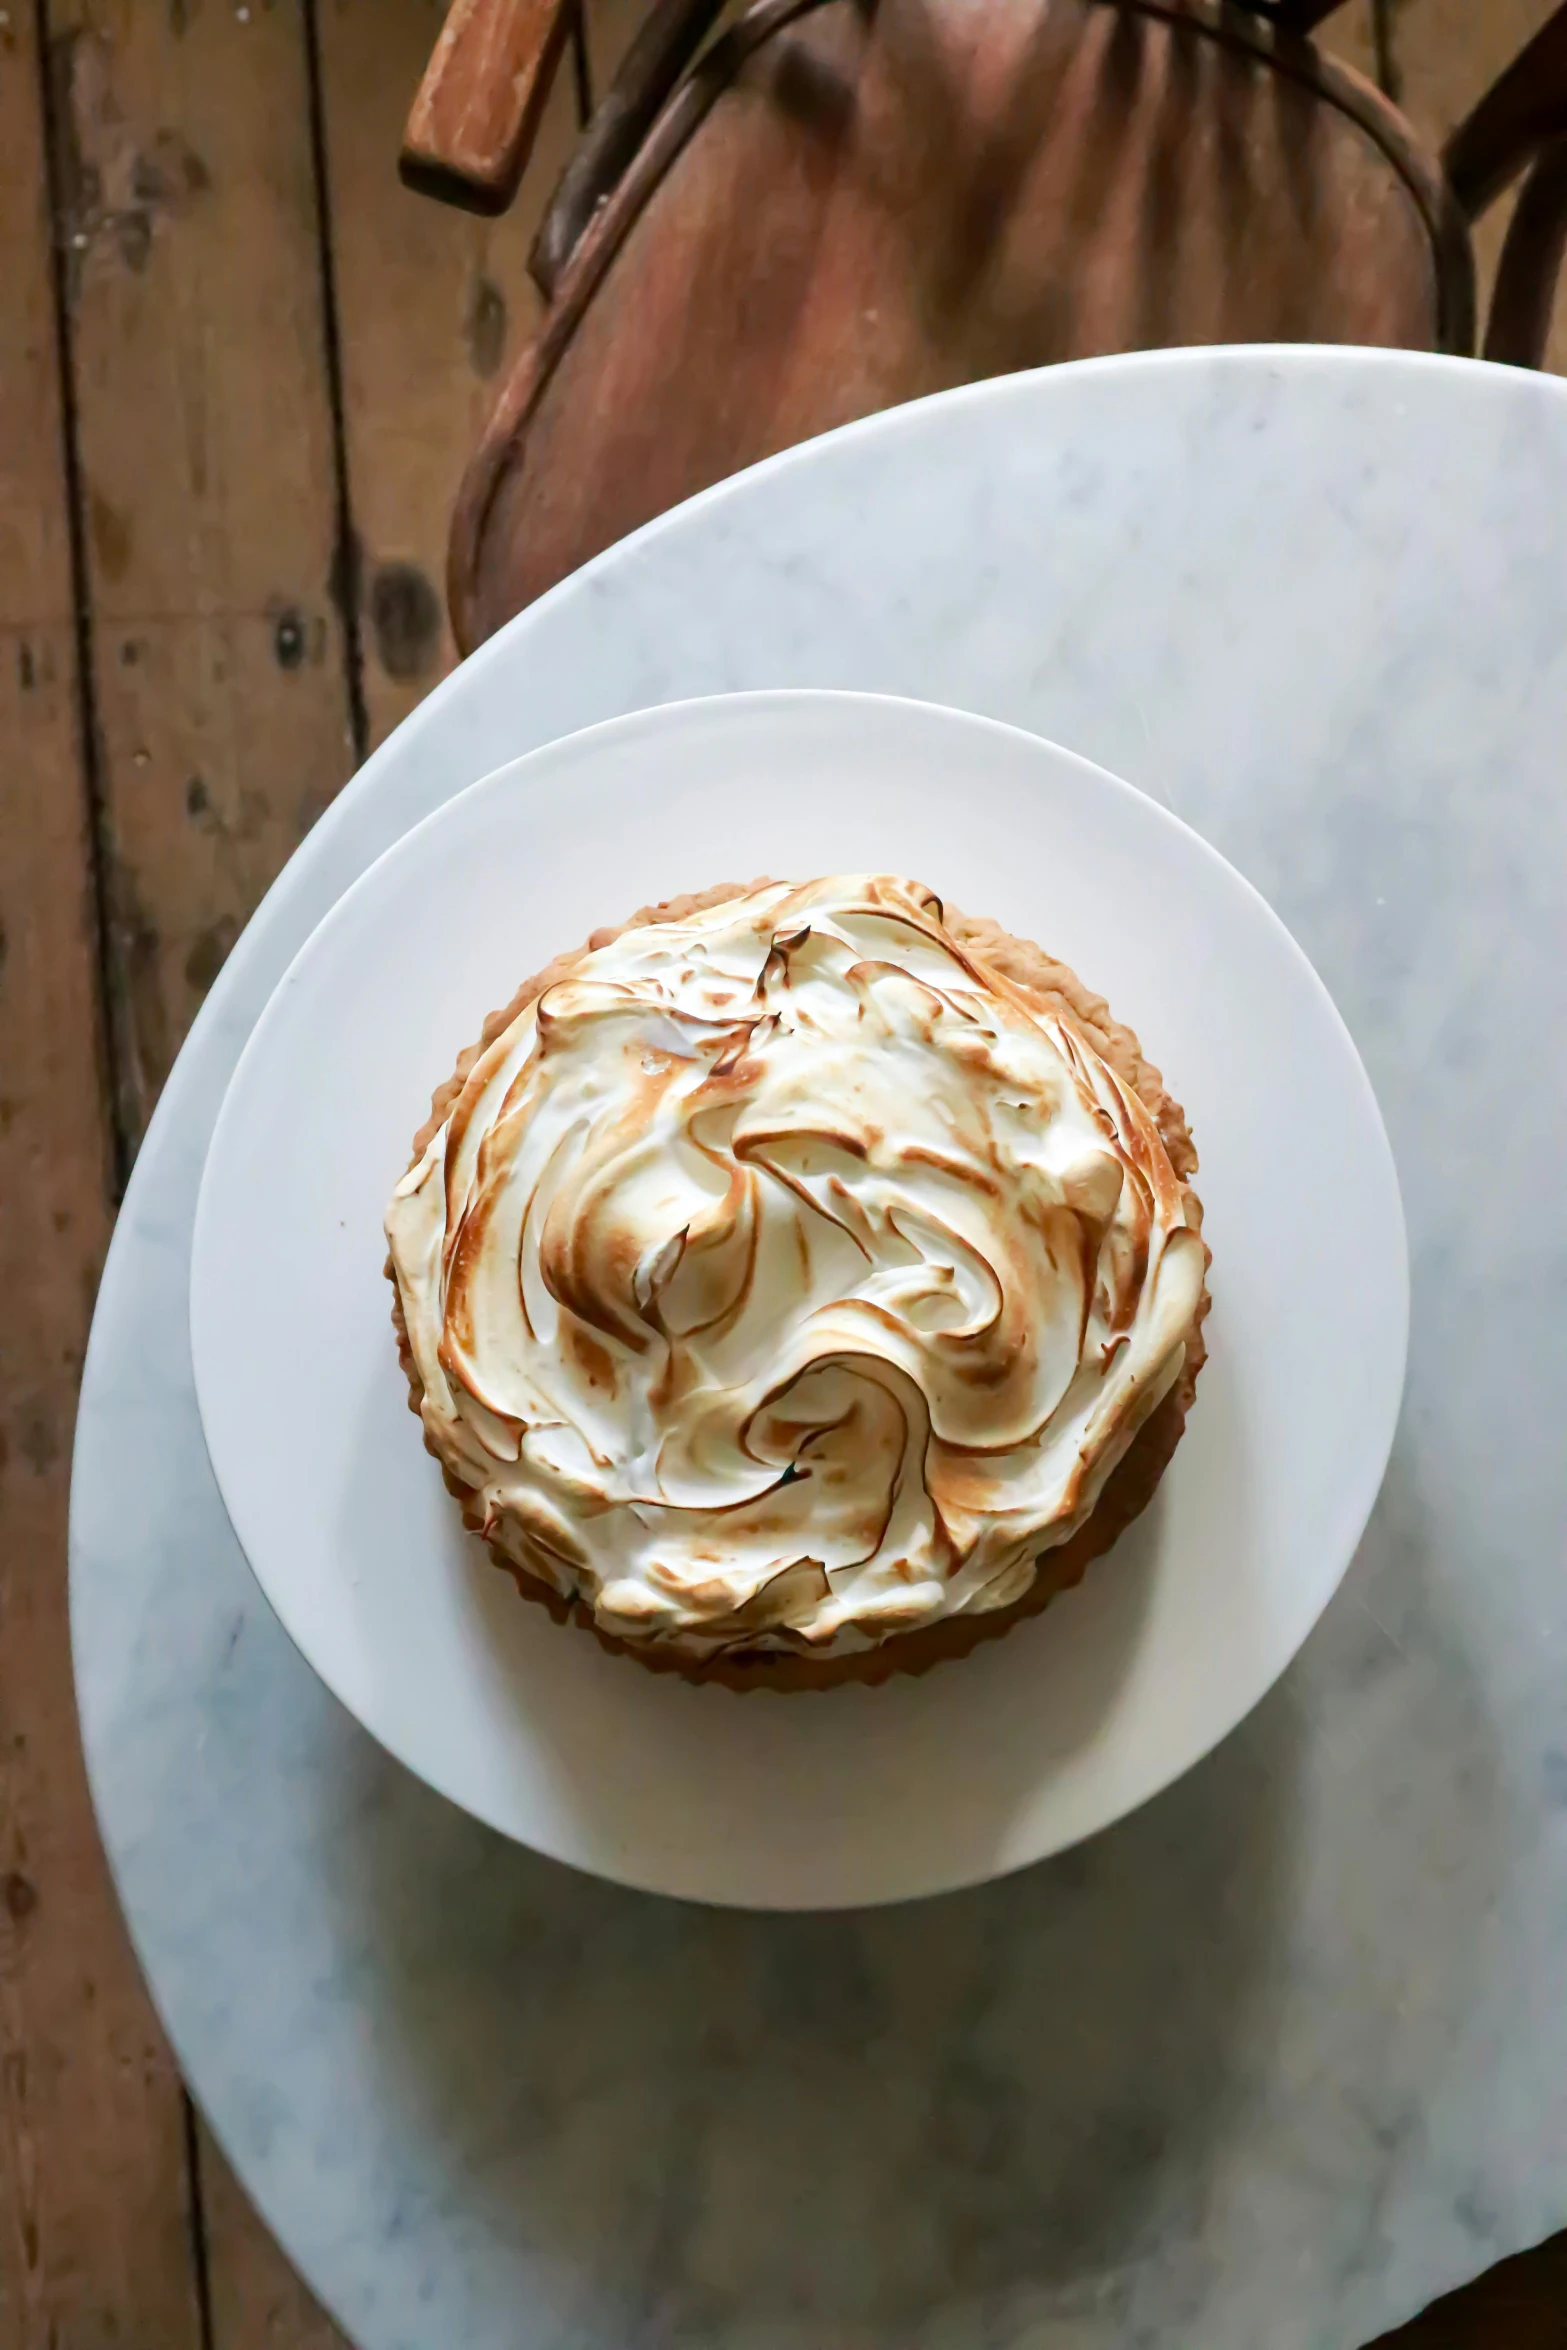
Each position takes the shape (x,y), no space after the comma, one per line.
(208,479)
(94,2239)
(211,524)
(433,303)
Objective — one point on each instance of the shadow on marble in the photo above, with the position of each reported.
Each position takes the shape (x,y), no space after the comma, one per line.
(1073,2093)
(717,2121)
(1071,2107)
(1410,1876)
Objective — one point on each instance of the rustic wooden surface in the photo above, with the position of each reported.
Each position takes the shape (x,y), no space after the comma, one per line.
(94,2213)
(239,372)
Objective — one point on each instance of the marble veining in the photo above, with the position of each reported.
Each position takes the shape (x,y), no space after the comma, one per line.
(1281,2057)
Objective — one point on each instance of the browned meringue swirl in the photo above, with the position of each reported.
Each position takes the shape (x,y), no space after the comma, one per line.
(786,1276)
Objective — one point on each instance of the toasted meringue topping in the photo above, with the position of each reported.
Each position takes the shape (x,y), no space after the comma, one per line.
(785,1276)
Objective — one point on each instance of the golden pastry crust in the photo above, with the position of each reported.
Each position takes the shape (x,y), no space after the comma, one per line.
(1131,1484)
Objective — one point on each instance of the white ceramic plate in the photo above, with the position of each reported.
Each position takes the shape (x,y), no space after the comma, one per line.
(809,1801)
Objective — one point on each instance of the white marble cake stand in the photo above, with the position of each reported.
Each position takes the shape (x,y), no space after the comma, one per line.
(1280,2058)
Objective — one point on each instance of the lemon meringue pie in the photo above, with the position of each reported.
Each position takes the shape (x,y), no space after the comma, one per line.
(800,1283)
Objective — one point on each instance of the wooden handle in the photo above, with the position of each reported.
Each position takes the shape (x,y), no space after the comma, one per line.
(476,116)
(1531,265)
(669,38)
(1518,114)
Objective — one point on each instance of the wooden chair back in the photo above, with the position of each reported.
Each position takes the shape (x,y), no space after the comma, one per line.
(840,205)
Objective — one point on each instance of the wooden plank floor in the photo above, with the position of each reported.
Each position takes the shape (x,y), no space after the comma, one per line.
(239,372)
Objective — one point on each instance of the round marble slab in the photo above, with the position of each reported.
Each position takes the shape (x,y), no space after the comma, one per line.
(1279,2058)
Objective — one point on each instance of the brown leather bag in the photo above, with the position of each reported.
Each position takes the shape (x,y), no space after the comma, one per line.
(846,203)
